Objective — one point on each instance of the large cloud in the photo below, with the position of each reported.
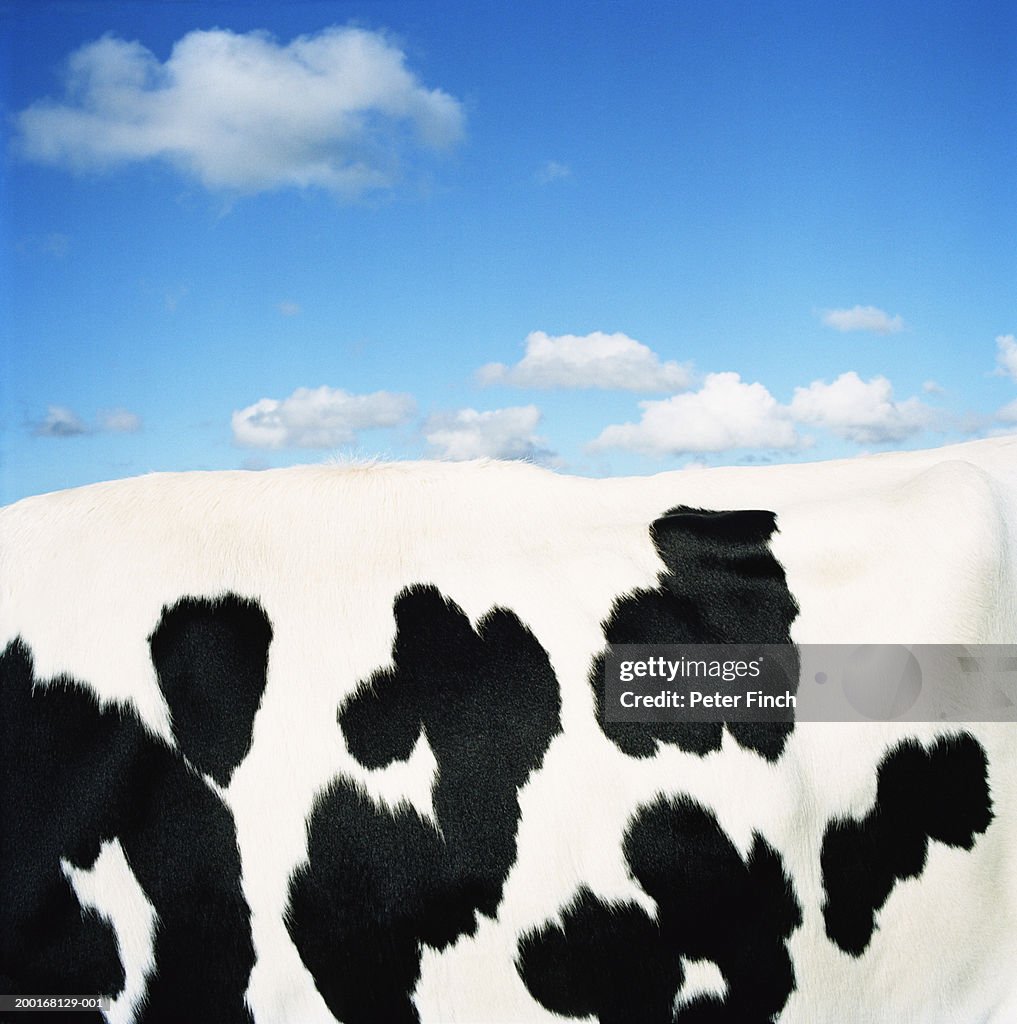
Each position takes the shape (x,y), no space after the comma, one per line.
(498,434)
(336,110)
(597,360)
(858,410)
(317,418)
(863,318)
(725,413)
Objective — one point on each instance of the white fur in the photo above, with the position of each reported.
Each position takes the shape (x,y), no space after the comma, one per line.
(907,548)
(110,888)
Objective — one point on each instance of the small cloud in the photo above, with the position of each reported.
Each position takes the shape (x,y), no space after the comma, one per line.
(337,110)
(930,387)
(289,308)
(119,421)
(860,411)
(971,424)
(1008,414)
(597,360)
(553,171)
(60,422)
(56,244)
(317,418)
(1006,355)
(863,318)
(496,434)
(174,296)
(725,413)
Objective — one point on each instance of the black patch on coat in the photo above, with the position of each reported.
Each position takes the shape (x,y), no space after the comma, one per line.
(380,882)
(941,793)
(75,775)
(60,758)
(721,585)
(211,658)
(616,963)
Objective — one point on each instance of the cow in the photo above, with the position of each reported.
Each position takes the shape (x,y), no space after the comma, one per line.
(329,743)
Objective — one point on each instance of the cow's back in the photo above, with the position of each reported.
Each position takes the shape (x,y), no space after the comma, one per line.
(324,743)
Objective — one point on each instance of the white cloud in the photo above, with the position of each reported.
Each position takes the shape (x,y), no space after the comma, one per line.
(56,244)
(60,422)
(119,421)
(931,387)
(863,318)
(317,418)
(861,411)
(289,308)
(726,413)
(553,171)
(1008,414)
(1006,355)
(332,110)
(597,360)
(497,434)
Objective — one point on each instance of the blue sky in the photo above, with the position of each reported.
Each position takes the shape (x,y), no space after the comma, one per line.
(613,238)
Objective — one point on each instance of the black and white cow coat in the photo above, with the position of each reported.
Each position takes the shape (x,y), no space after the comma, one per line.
(325,744)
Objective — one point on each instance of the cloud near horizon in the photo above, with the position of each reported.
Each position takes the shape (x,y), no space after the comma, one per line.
(337,110)
(863,318)
(62,422)
(317,418)
(1006,355)
(597,360)
(727,413)
(861,411)
(497,434)
(119,421)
